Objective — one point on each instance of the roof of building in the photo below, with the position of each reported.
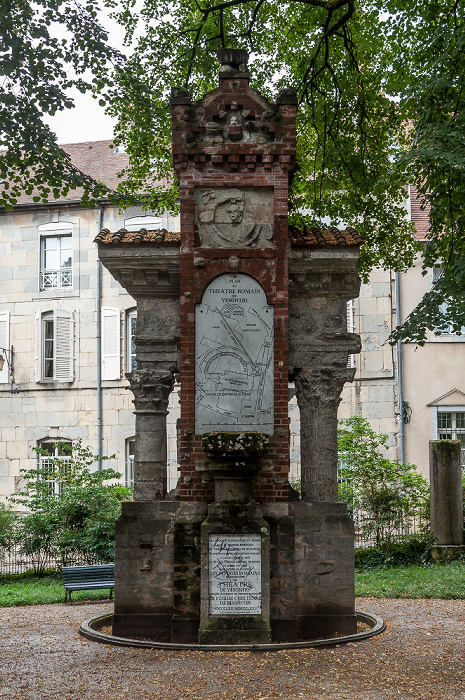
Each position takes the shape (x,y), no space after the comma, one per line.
(99,159)
(140,236)
(331,236)
(310,237)
(419,217)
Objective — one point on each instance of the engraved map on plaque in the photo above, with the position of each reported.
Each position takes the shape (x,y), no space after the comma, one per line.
(235,567)
(233,217)
(234,357)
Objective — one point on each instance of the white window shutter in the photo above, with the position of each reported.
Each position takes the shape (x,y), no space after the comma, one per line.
(111,344)
(350,328)
(350,316)
(63,345)
(38,348)
(5,343)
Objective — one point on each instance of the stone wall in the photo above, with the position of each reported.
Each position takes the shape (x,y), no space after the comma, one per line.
(49,410)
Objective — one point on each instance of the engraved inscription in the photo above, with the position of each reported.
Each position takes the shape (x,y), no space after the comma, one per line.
(234,357)
(232,217)
(235,567)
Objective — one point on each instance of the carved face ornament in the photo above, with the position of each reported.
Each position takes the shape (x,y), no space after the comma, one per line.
(235,212)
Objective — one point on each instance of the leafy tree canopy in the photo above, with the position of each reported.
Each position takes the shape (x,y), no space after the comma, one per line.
(46,47)
(381,105)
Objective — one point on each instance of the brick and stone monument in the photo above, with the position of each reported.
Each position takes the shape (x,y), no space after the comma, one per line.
(236,304)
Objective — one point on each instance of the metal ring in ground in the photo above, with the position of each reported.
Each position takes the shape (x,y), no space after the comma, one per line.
(89,629)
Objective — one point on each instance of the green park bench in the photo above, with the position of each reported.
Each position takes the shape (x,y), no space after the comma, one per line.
(87,578)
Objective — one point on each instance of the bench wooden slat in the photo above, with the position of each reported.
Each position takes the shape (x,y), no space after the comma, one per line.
(91,577)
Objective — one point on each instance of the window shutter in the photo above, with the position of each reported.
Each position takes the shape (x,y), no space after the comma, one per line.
(5,343)
(38,348)
(350,328)
(111,344)
(63,345)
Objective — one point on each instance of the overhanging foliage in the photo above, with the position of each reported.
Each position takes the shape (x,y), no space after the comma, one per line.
(380,88)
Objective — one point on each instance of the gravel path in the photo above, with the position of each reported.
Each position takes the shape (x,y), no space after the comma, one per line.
(421,655)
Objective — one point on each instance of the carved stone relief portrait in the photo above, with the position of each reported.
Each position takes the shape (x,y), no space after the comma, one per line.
(233,217)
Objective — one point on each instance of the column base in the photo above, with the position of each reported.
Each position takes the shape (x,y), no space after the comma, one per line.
(441,552)
(325,626)
(184,630)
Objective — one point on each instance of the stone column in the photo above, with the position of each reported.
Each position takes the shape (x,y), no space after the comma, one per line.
(446,496)
(151,388)
(318,394)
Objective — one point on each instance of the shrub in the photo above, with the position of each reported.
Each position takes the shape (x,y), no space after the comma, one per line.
(71,509)
(8,529)
(382,495)
(411,551)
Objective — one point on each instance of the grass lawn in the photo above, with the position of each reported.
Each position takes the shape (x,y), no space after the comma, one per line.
(34,590)
(428,581)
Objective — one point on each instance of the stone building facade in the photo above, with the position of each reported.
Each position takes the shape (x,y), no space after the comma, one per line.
(55,297)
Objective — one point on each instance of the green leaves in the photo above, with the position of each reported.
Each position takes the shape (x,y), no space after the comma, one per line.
(37,70)
(72,509)
(381,494)
(381,106)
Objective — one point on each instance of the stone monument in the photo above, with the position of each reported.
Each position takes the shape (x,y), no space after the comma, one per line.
(236,304)
(446,499)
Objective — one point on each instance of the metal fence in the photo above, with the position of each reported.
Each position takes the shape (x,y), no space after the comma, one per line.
(368,535)
(13,561)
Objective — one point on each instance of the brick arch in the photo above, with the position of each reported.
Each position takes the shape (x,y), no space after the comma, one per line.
(247,266)
(227,271)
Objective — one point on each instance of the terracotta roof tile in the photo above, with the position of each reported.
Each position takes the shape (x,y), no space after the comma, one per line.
(140,236)
(324,237)
(94,158)
(309,237)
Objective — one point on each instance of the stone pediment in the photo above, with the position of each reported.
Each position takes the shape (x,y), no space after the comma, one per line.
(454,397)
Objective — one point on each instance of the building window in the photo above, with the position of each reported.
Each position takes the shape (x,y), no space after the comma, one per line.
(129,462)
(131,340)
(54,346)
(437,272)
(451,426)
(54,463)
(56,262)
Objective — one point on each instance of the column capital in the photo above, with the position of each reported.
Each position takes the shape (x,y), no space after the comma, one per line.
(321,386)
(151,389)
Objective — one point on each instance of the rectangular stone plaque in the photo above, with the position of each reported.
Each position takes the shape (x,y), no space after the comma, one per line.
(234,356)
(233,217)
(235,574)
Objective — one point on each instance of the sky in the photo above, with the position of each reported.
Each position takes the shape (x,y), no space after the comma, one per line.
(87,121)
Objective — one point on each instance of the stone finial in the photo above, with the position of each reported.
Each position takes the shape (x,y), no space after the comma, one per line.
(233,60)
(287,96)
(180,96)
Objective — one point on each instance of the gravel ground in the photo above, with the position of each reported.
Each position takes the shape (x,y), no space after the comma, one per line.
(420,655)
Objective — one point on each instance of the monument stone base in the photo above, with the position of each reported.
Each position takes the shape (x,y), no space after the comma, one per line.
(235,575)
(171,558)
(324,569)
